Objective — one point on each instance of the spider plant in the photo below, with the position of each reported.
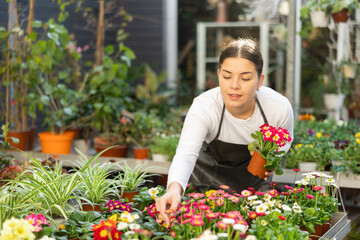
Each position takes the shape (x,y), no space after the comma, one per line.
(49,190)
(12,204)
(131,179)
(96,185)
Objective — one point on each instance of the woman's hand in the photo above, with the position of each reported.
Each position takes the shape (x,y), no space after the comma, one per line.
(269,173)
(169,201)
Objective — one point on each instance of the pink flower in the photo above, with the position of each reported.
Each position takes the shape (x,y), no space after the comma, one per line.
(252,215)
(317,188)
(245,193)
(197,222)
(78,50)
(86,47)
(273,192)
(224,187)
(260,193)
(203,207)
(233,214)
(310,196)
(296,170)
(234,199)
(172,233)
(288,187)
(219,202)
(37,228)
(221,225)
(211,215)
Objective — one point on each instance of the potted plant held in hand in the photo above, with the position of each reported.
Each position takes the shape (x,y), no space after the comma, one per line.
(266,153)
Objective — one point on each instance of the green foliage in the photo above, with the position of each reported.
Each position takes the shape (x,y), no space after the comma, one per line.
(132,178)
(78,226)
(5,158)
(164,144)
(96,185)
(144,127)
(108,89)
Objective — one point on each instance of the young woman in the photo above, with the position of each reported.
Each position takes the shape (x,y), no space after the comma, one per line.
(212,150)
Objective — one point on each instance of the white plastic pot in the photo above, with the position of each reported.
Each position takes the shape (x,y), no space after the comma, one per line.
(307,166)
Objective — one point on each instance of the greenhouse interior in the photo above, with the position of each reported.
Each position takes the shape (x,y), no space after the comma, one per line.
(179,119)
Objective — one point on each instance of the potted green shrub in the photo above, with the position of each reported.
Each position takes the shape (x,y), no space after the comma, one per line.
(141,132)
(52,68)
(341,9)
(163,147)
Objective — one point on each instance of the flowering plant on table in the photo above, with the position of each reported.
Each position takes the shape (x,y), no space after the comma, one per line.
(268,142)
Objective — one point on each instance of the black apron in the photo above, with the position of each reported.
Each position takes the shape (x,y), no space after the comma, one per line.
(222,163)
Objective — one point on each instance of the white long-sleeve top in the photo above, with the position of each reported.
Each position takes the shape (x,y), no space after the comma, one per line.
(202,123)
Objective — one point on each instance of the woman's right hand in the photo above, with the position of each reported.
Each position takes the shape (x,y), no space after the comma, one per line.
(169,201)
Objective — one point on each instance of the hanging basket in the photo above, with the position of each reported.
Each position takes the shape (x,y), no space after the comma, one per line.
(341,16)
(319,19)
(256,165)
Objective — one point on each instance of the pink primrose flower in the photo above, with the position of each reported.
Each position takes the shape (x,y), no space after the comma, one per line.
(221,225)
(37,228)
(220,201)
(273,192)
(317,188)
(197,222)
(310,196)
(245,193)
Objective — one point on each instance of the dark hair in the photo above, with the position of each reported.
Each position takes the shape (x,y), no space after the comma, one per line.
(243,48)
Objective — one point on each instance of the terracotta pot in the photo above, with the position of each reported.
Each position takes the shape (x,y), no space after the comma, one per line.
(341,16)
(31,139)
(317,234)
(326,226)
(129,195)
(88,207)
(56,143)
(256,165)
(23,137)
(141,153)
(118,151)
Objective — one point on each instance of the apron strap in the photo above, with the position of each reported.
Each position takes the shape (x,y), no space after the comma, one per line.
(223,111)
(221,120)
(261,111)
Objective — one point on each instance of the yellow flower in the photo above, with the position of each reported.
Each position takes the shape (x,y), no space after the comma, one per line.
(114,218)
(358,140)
(298,145)
(357,135)
(62,226)
(318,135)
(209,193)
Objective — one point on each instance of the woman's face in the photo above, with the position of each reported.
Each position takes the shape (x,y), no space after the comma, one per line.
(238,82)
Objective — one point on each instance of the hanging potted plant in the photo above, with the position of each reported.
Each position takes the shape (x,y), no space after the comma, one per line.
(341,9)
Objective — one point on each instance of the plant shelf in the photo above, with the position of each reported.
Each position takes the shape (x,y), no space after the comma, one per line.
(340,227)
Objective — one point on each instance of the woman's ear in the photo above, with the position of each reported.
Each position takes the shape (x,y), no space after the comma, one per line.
(261,80)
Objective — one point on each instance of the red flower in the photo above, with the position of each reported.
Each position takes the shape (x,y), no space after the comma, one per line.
(282,217)
(296,170)
(252,215)
(317,188)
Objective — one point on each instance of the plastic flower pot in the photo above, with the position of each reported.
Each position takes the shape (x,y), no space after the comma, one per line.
(120,151)
(23,137)
(318,19)
(56,143)
(256,165)
(307,166)
(129,195)
(341,16)
(141,153)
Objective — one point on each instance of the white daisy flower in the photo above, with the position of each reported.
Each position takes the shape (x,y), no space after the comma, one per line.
(250,237)
(228,220)
(134,226)
(240,227)
(223,235)
(122,226)
(253,197)
(262,208)
(257,202)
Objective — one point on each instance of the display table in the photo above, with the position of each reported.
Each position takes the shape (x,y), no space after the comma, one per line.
(68,160)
